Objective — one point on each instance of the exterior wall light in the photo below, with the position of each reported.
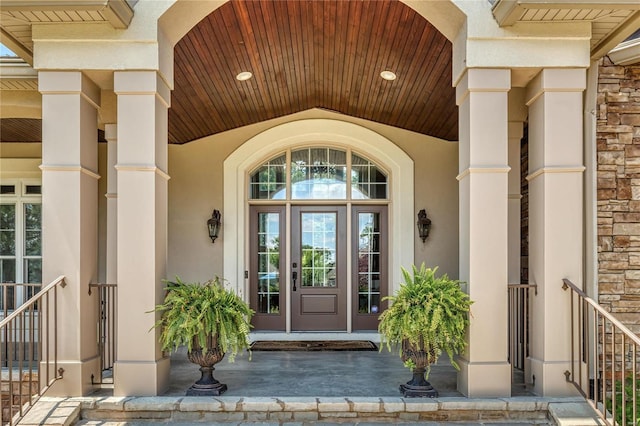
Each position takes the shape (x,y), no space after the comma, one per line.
(424,225)
(214,225)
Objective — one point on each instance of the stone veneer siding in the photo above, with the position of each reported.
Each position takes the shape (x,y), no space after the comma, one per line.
(618,139)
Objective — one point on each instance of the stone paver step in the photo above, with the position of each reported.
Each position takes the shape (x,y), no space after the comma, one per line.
(294,410)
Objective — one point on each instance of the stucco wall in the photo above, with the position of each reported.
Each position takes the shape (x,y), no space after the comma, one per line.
(196,188)
(618,138)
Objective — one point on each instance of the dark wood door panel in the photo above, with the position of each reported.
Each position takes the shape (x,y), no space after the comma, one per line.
(318,256)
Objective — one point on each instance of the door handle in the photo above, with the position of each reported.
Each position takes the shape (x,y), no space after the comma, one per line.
(294,275)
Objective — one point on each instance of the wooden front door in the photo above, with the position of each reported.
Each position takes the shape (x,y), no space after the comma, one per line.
(318,268)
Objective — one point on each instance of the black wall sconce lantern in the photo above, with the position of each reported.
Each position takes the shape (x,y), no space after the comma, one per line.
(214,225)
(424,225)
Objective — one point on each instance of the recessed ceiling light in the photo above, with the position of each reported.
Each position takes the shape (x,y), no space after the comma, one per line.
(388,75)
(244,75)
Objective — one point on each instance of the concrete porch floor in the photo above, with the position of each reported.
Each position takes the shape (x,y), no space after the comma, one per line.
(314,373)
(337,387)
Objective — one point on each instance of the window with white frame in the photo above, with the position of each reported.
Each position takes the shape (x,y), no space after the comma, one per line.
(318,173)
(20,239)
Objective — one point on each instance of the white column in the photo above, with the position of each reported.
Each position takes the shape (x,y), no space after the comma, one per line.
(70,219)
(111,135)
(517,116)
(143,102)
(555,179)
(482,99)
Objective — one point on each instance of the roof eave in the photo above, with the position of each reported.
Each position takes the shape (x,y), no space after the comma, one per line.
(626,53)
(118,12)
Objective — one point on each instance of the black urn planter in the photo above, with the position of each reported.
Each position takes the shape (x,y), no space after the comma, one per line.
(418,386)
(206,385)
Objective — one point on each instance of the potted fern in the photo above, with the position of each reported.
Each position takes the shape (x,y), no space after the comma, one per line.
(210,321)
(428,315)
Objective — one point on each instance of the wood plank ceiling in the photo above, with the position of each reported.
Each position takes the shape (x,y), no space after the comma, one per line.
(312,54)
(20,130)
(27,130)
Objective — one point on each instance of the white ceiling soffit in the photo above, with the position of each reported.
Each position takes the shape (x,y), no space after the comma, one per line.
(17,16)
(118,12)
(611,21)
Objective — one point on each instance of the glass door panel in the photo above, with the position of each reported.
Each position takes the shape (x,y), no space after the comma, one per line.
(318,244)
(318,261)
(370,265)
(267,295)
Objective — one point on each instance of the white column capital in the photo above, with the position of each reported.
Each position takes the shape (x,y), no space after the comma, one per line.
(556,80)
(141,83)
(483,80)
(69,82)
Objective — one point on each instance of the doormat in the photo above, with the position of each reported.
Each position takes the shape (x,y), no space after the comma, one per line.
(313,345)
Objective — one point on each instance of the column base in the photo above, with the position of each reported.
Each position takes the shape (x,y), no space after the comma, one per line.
(76,377)
(484,379)
(141,378)
(549,378)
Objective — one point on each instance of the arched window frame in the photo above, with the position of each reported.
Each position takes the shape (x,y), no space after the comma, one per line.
(279,184)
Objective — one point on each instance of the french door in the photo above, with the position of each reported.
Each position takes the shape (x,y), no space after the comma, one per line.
(308,272)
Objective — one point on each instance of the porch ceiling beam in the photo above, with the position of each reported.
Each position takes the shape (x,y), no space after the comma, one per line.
(508,12)
(118,12)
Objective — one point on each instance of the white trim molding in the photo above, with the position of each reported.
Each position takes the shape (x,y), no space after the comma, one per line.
(143,168)
(482,169)
(555,169)
(62,168)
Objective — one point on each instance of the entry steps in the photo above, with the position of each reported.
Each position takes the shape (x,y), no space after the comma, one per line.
(309,410)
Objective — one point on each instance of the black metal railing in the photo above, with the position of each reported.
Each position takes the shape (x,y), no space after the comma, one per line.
(106,295)
(605,357)
(29,358)
(519,330)
(12,296)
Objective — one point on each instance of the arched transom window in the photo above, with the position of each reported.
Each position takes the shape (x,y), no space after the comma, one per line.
(318,174)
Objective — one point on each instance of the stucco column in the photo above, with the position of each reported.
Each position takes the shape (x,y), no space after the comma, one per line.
(111,135)
(517,116)
(70,220)
(482,99)
(143,102)
(555,179)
